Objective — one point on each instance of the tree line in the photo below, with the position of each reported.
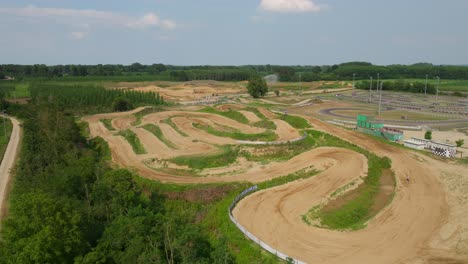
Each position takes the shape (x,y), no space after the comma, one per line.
(399,85)
(344,71)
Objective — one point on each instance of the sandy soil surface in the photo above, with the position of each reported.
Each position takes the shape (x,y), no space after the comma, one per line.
(7,164)
(285,131)
(188,91)
(414,228)
(252,117)
(426,222)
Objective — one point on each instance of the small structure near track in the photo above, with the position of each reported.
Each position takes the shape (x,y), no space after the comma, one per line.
(367,124)
(437,148)
(410,143)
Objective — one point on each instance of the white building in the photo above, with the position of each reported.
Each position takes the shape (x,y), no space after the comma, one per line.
(414,144)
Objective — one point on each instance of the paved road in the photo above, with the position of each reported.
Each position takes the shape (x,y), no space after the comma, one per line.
(8,162)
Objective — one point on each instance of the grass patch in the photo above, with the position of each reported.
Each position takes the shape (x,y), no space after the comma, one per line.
(21,91)
(132,138)
(267,124)
(280,152)
(155,130)
(227,156)
(301,174)
(235,115)
(296,121)
(257,112)
(108,124)
(5,134)
(169,122)
(265,136)
(144,112)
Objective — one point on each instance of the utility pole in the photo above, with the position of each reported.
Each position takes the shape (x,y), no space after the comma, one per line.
(370,89)
(380,101)
(437,92)
(354,80)
(425,87)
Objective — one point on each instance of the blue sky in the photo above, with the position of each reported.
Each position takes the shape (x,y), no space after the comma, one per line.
(221,32)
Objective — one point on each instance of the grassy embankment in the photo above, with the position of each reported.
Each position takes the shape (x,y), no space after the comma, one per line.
(265,122)
(133,140)
(174,126)
(108,124)
(296,121)
(155,130)
(265,136)
(235,115)
(226,156)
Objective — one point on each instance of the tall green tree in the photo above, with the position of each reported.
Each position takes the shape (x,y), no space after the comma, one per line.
(257,86)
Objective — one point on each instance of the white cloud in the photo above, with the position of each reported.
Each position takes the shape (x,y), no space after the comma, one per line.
(168,24)
(78,35)
(89,17)
(147,20)
(290,6)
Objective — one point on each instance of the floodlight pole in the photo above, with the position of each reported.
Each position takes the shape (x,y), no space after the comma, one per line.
(378,80)
(354,80)
(370,89)
(425,87)
(380,100)
(300,82)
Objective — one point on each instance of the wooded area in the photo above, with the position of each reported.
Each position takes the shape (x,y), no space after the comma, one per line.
(140,72)
(69,206)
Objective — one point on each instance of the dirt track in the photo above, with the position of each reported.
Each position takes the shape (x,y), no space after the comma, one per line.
(7,164)
(414,228)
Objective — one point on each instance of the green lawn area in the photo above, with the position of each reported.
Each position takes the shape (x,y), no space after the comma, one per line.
(21,90)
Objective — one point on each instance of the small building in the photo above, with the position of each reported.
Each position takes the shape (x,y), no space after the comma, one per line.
(427,143)
(410,143)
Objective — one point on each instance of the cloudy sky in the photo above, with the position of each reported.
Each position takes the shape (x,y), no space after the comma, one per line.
(234,32)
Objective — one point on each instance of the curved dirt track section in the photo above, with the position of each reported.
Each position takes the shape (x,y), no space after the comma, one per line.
(252,117)
(8,162)
(408,230)
(412,229)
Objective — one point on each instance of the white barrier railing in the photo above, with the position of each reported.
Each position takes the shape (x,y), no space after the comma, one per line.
(251,236)
(271,142)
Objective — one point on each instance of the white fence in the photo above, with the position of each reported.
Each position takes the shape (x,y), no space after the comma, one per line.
(271,142)
(250,235)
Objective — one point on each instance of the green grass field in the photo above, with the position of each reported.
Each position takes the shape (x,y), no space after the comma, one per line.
(21,91)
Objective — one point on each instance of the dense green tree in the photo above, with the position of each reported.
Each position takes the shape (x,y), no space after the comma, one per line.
(42,229)
(121,105)
(460,142)
(257,87)
(428,135)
